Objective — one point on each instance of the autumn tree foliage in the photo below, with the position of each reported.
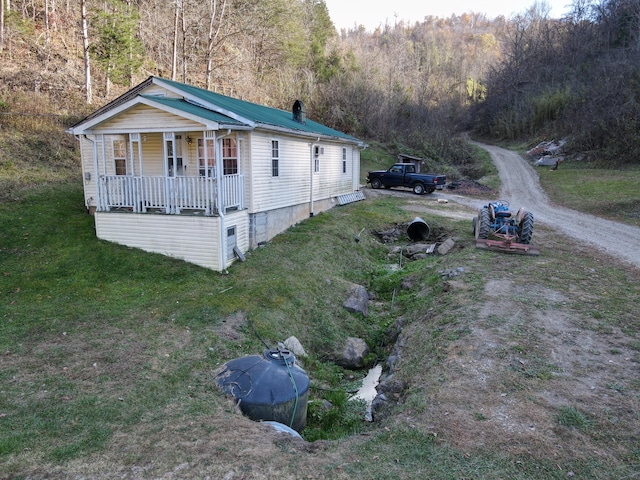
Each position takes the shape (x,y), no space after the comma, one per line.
(415,86)
(576,77)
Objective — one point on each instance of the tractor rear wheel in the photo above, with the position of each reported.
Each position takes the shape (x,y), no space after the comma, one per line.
(483,224)
(526,228)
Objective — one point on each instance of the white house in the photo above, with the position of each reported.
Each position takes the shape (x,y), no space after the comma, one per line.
(178,170)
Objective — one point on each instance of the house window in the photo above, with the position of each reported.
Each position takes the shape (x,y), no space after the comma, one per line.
(229,156)
(344,160)
(207,163)
(174,156)
(275,158)
(317,151)
(120,156)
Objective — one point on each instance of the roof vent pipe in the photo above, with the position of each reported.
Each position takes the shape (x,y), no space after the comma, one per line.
(299,112)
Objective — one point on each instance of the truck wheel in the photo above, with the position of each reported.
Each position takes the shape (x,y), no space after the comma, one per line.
(526,228)
(483,224)
(376,183)
(418,189)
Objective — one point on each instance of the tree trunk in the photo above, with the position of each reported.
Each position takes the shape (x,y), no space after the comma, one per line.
(213,36)
(174,58)
(47,33)
(184,46)
(1,25)
(85,47)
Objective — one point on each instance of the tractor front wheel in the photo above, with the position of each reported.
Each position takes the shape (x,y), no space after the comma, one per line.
(483,224)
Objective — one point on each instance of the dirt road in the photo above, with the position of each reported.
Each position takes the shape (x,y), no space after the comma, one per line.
(521,188)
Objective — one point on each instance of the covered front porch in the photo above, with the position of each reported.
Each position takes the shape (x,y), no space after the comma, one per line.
(189,172)
(172,195)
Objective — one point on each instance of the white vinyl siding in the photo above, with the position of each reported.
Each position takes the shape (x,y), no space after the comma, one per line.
(88,169)
(292,186)
(330,181)
(145,118)
(195,239)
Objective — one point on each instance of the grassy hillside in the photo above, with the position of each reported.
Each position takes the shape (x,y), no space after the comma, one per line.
(34,148)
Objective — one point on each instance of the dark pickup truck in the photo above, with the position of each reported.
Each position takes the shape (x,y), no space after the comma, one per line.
(404,175)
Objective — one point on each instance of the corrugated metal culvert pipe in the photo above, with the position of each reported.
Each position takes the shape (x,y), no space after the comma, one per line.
(418,230)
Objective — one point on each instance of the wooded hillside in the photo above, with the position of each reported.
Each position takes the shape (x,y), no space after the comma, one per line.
(414,86)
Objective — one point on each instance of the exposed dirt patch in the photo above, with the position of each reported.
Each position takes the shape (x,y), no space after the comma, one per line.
(470,187)
(527,357)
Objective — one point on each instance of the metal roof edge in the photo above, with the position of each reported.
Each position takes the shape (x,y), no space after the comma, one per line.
(196,100)
(125,97)
(307,134)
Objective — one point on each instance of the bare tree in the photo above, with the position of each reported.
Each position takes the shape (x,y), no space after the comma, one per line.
(85,47)
(174,57)
(1,25)
(217,14)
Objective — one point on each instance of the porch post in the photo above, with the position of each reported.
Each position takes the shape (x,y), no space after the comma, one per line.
(104,153)
(96,172)
(223,240)
(219,172)
(206,136)
(105,190)
(167,137)
(134,138)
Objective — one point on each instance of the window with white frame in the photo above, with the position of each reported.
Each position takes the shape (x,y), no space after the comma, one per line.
(206,159)
(175,165)
(120,155)
(229,156)
(344,160)
(275,158)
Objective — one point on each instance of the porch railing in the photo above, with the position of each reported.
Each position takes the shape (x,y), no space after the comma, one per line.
(169,194)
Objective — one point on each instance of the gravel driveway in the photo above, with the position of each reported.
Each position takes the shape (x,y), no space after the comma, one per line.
(521,187)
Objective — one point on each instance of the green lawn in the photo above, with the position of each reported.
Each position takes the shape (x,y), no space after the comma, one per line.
(108,352)
(613,194)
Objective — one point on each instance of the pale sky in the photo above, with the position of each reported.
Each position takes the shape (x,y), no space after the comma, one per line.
(371,13)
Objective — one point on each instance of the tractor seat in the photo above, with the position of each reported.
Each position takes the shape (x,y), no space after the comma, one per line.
(503,214)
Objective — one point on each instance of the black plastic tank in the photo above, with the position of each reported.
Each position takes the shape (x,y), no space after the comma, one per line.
(268,387)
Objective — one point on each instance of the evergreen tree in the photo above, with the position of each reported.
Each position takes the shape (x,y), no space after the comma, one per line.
(117,49)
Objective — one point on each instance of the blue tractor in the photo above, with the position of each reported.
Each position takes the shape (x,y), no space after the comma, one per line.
(496,227)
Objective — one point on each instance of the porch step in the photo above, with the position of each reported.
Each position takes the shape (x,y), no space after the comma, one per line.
(350,198)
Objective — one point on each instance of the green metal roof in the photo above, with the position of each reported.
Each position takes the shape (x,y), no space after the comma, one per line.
(259,114)
(184,106)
